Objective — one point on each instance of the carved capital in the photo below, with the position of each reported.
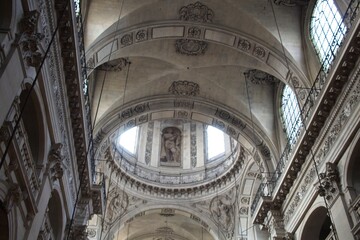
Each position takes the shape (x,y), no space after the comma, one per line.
(4,134)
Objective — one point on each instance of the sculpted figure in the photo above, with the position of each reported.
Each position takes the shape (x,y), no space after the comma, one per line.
(171,145)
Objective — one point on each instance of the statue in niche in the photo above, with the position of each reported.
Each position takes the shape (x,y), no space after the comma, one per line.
(170,154)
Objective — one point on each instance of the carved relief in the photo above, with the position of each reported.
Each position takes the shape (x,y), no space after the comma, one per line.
(127,39)
(118,202)
(115,65)
(141,35)
(260,78)
(190,47)
(55,161)
(196,12)
(291,3)
(130,112)
(194,32)
(329,181)
(30,38)
(244,45)
(184,88)
(226,116)
(13,197)
(259,52)
(222,211)
(170,147)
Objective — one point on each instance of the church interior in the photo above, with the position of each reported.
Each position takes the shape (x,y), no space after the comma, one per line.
(180,119)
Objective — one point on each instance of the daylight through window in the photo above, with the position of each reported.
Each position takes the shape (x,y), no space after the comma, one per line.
(326,30)
(290,113)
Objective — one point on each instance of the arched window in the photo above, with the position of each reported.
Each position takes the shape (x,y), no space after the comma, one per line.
(290,113)
(326,30)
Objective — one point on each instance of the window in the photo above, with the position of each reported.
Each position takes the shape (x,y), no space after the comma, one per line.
(128,140)
(215,142)
(326,30)
(290,113)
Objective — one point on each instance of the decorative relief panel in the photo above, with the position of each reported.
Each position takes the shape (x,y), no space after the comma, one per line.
(141,35)
(30,38)
(127,40)
(115,65)
(244,45)
(260,78)
(193,147)
(170,154)
(149,142)
(117,204)
(222,212)
(190,47)
(196,12)
(194,32)
(184,88)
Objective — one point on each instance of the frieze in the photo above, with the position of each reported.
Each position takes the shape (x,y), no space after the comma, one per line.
(259,52)
(226,116)
(196,12)
(184,88)
(130,112)
(190,47)
(291,3)
(183,104)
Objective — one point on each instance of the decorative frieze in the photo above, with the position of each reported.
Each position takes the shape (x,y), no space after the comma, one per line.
(115,65)
(260,78)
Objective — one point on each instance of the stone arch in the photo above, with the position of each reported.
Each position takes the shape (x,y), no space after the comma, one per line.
(8,209)
(317,225)
(56,216)
(33,121)
(268,57)
(197,218)
(352,165)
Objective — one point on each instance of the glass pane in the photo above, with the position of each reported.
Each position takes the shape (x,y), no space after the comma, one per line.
(128,140)
(290,113)
(215,142)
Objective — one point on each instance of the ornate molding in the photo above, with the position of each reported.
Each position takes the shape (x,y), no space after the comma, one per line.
(258,77)
(149,142)
(190,47)
(184,88)
(291,3)
(29,38)
(329,182)
(196,12)
(55,161)
(115,65)
(193,147)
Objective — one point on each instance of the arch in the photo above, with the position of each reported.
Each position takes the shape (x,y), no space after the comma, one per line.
(317,225)
(4,223)
(198,218)
(351,176)
(55,213)
(267,56)
(33,122)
